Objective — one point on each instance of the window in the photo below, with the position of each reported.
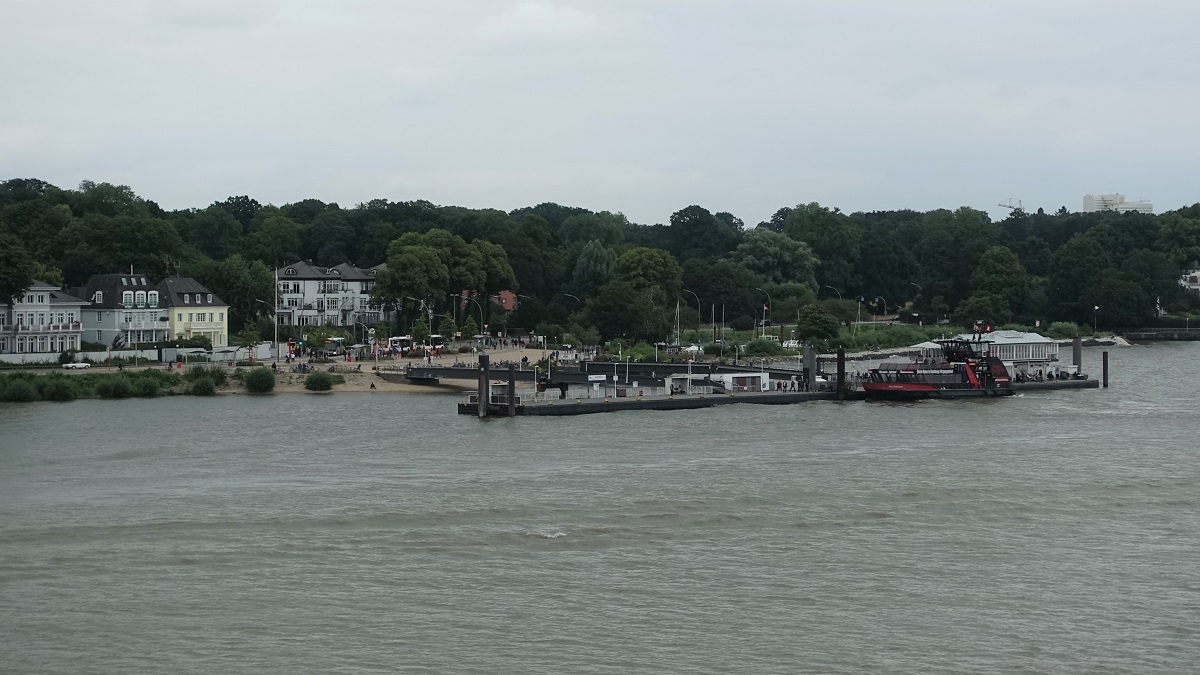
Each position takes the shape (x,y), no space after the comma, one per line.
(60,317)
(140,298)
(98,297)
(197,298)
(124,281)
(41,297)
(222,317)
(41,319)
(128,318)
(210,297)
(190,315)
(186,298)
(291,271)
(152,298)
(20,344)
(127,298)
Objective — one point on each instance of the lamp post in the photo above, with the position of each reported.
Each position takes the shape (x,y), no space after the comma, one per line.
(481,324)
(274,320)
(699,319)
(1096,319)
(770,305)
(834,290)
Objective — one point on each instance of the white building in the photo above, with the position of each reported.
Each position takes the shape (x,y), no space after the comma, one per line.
(1023,353)
(310,295)
(1191,281)
(44,321)
(1115,202)
(123,310)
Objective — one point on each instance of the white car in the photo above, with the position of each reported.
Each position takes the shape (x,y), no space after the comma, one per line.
(76,365)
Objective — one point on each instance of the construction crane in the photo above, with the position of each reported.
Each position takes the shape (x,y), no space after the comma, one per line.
(1011,206)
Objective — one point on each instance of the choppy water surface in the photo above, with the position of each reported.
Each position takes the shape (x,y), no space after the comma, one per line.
(351,533)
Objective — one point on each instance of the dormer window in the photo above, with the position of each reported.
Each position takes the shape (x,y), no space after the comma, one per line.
(152,299)
(127,298)
(98,297)
(210,297)
(197,298)
(186,298)
(290,271)
(140,298)
(124,281)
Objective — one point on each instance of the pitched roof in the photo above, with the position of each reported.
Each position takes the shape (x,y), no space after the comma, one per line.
(302,270)
(110,287)
(172,290)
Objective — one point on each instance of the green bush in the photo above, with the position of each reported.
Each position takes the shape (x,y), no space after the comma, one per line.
(763,348)
(318,381)
(117,386)
(216,374)
(57,388)
(17,391)
(145,387)
(260,380)
(67,356)
(202,387)
(1060,330)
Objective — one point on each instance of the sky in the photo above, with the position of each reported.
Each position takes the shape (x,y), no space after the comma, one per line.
(636,106)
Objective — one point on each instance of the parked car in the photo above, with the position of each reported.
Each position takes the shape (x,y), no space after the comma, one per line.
(76,365)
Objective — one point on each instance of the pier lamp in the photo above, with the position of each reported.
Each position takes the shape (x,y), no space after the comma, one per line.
(1096,319)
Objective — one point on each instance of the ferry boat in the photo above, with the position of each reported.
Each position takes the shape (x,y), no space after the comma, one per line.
(965,369)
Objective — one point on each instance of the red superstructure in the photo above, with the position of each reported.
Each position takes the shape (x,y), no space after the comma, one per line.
(965,370)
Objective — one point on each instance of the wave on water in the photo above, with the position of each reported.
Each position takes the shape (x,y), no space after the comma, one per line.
(545,535)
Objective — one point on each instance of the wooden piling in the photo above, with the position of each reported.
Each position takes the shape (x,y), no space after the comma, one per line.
(484,379)
(512,390)
(1077,354)
(841,373)
(1105,370)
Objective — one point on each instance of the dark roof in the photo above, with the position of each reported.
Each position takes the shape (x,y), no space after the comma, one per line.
(305,270)
(111,286)
(172,290)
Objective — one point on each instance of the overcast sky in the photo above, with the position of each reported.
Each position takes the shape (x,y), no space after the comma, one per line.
(638,106)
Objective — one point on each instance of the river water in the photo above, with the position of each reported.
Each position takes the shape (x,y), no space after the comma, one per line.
(361,533)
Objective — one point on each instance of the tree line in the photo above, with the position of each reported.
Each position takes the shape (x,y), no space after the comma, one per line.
(597,275)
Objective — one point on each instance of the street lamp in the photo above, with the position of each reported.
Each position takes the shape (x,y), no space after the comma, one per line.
(480,312)
(1096,319)
(769,304)
(274,320)
(834,290)
(699,319)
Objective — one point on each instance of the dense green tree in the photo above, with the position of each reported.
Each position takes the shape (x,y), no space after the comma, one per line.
(593,268)
(697,233)
(777,258)
(1121,300)
(834,239)
(983,306)
(275,241)
(1074,267)
(16,271)
(413,271)
(652,272)
(814,322)
(999,274)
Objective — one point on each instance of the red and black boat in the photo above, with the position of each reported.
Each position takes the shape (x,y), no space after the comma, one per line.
(966,369)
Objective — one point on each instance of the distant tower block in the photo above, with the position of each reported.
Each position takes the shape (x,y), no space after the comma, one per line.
(1115,202)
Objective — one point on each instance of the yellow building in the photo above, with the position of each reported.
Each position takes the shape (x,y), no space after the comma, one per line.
(194,311)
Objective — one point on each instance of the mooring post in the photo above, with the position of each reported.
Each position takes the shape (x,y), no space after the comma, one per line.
(484,379)
(841,373)
(1077,354)
(512,390)
(810,366)
(1105,368)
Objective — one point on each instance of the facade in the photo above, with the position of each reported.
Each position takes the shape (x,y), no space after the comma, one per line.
(193,311)
(1115,202)
(1191,281)
(310,295)
(44,321)
(123,310)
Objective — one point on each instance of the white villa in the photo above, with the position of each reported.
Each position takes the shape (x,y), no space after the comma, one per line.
(44,321)
(310,295)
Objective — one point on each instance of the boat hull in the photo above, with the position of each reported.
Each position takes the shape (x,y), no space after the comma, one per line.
(892,392)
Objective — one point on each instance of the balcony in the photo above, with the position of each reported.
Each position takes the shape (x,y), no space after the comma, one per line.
(202,325)
(47,328)
(143,325)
